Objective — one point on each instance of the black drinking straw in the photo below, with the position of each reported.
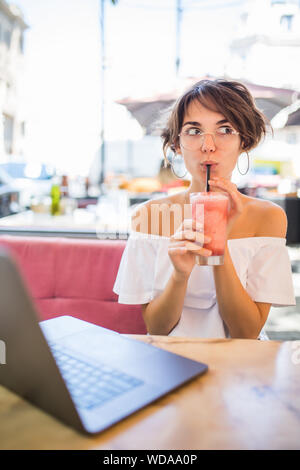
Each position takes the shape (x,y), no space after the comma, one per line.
(207,177)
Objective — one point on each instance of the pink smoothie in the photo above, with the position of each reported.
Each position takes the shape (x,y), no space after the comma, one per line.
(215,206)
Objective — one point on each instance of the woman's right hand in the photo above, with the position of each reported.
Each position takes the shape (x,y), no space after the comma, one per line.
(185,244)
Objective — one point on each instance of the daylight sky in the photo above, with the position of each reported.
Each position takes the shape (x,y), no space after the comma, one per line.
(62,74)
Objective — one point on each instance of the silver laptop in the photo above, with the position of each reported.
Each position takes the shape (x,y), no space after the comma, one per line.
(85,375)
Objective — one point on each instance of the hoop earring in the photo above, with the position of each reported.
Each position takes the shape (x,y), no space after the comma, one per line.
(247,166)
(172,166)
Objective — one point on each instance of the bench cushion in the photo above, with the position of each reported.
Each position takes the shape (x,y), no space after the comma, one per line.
(75,277)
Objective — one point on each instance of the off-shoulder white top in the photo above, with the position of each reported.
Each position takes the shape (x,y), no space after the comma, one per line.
(261,263)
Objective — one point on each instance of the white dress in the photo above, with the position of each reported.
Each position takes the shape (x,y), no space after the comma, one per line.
(261,263)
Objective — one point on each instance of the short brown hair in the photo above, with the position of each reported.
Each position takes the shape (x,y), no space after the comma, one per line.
(231,98)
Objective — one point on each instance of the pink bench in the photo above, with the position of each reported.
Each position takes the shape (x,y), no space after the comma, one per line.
(75,277)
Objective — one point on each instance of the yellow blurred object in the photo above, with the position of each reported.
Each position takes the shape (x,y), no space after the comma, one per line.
(258,162)
(40,208)
(284,168)
(141,185)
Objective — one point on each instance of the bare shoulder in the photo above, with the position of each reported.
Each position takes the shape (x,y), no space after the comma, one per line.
(270,219)
(149,216)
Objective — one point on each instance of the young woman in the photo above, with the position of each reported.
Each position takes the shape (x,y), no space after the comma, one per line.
(213,123)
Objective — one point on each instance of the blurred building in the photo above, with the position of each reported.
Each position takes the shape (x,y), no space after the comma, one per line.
(266,49)
(12,126)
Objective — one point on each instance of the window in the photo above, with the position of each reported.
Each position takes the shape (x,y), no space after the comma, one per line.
(286,22)
(21,43)
(292,138)
(8,133)
(7,37)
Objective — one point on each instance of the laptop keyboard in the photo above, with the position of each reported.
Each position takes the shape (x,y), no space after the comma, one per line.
(91,385)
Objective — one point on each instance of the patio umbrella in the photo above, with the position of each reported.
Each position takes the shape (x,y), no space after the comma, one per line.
(288,116)
(147,110)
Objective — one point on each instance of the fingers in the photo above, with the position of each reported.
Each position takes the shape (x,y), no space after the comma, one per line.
(177,248)
(222,183)
(182,247)
(197,249)
(227,186)
(190,224)
(198,237)
(189,237)
(230,188)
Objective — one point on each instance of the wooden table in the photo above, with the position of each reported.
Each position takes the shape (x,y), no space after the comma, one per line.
(249,399)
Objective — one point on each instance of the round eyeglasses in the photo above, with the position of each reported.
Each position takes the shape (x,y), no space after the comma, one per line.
(192,138)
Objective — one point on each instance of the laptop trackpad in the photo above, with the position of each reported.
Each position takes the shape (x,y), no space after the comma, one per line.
(114,350)
(143,361)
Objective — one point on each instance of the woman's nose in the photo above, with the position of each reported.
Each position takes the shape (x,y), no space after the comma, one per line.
(208,143)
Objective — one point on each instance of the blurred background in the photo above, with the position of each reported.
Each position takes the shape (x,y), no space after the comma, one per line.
(83,84)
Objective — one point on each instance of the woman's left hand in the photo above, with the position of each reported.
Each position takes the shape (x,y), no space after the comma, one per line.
(235,199)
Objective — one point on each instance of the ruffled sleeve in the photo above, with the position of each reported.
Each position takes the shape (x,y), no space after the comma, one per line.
(269,276)
(135,278)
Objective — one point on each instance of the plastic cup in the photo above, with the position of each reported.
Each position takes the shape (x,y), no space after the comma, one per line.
(210,209)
